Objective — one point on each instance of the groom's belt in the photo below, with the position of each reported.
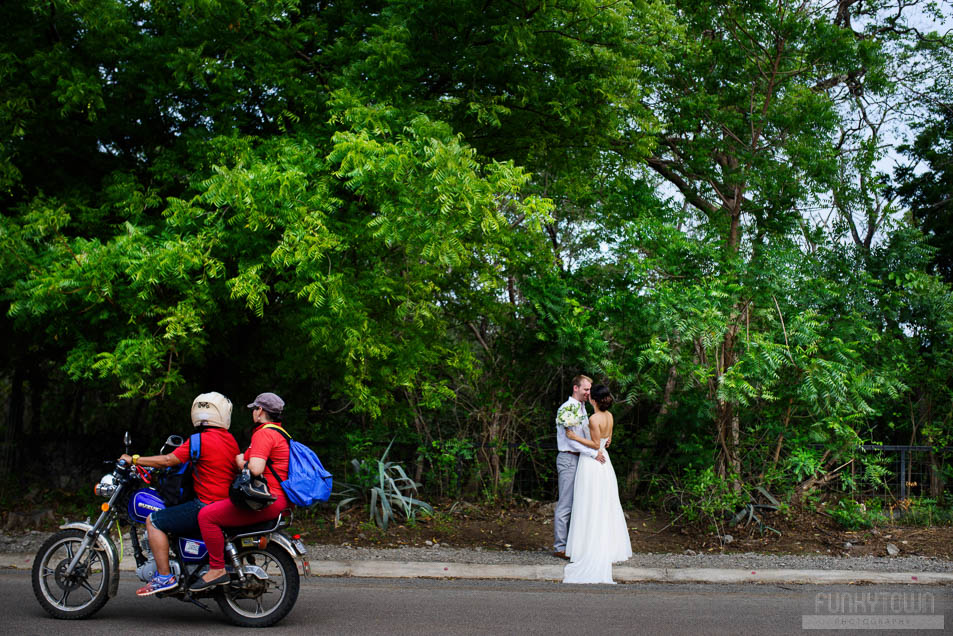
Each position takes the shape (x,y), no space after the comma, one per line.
(572,452)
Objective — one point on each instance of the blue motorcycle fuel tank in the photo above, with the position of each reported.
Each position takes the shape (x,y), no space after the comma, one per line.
(146,501)
(143,503)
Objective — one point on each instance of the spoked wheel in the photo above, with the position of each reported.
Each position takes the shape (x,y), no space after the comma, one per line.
(77,595)
(262,601)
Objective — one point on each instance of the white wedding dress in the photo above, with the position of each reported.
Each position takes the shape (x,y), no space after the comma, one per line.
(598,535)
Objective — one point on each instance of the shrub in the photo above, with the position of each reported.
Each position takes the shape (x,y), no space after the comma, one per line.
(704,496)
(384,488)
(850,514)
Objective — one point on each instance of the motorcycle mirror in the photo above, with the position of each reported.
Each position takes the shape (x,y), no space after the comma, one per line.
(173,442)
(127,440)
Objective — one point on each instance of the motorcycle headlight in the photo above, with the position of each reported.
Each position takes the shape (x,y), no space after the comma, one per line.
(106,486)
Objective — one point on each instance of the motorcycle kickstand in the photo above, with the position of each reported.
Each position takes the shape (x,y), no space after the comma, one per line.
(189,598)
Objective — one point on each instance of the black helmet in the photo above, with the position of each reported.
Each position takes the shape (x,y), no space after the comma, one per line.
(249,492)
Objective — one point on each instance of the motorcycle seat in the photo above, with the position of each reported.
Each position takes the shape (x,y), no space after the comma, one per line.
(254,529)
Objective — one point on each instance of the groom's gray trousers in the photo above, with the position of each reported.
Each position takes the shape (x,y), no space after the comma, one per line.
(566,478)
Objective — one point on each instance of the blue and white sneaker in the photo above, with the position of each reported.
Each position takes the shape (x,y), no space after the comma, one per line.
(159,583)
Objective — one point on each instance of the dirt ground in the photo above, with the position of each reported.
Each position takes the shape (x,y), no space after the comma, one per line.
(528,526)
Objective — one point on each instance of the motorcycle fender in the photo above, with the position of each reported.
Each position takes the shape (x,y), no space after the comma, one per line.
(106,544)
(255,571)
(288,546)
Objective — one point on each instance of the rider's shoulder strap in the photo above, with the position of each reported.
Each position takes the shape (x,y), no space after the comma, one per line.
(278,428)
(285,434)
(195,446)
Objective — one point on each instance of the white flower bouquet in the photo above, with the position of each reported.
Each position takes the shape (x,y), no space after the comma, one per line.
(570,415)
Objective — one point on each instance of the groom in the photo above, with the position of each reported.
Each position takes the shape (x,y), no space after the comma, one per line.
(572,414)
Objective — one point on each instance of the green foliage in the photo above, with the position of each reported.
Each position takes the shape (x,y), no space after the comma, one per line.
(450,463)
(803,463)
(924,511)
(850,514)
(502,489)
(384,489)
(441,522)
(704,497)
(916,511)
(875,473)
(422,219)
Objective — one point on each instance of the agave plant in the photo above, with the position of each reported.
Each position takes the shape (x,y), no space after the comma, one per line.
(384,488)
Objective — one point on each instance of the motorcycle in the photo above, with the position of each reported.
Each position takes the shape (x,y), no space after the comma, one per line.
(76,570)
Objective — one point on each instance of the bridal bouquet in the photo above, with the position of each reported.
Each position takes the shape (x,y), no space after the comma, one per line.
(570,415)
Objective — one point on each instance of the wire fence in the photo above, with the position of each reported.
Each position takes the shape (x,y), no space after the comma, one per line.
(537,479)
(911,472)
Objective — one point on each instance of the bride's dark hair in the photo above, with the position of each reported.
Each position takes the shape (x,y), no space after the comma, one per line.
(601,396)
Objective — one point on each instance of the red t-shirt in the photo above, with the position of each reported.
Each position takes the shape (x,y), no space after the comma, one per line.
(267,443)
(215,469)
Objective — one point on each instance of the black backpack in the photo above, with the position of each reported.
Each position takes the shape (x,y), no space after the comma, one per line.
(176,484)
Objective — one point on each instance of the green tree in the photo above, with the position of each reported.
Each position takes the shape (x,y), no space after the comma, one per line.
(747,139)
(752,319)
(927,192)
(422,219)
(243,193)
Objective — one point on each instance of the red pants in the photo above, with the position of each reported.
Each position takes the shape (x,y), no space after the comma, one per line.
(225,514)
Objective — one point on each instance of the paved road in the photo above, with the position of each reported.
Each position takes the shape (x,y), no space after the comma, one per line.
(368,607)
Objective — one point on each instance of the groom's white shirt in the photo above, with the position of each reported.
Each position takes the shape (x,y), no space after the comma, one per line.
(563,443)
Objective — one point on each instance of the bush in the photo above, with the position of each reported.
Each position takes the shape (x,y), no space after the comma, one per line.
(925,512)
(450,462)
(851,515)
(384,488)
(705,497)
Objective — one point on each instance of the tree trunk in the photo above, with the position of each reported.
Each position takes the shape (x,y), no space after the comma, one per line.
(937,483)
(423,433)
(491,455)
(669,383)
(728,420)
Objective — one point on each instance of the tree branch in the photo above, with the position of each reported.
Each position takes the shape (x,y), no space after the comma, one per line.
(665,170)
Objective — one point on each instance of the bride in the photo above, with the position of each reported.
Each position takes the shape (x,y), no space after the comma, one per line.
(598,536)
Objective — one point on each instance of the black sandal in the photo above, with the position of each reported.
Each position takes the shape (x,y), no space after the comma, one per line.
(202,584)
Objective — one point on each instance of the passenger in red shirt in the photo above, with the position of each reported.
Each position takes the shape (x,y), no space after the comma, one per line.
(266,444)
(212,474)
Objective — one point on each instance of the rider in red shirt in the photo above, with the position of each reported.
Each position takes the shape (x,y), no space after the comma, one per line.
(213,472)
(266,444)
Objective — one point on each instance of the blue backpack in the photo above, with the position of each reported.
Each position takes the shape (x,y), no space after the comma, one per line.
(176,485)
(308,481)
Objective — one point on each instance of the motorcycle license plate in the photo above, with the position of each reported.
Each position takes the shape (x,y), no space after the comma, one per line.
(299,547)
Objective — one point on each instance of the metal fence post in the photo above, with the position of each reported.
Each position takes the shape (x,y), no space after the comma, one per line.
(903,473)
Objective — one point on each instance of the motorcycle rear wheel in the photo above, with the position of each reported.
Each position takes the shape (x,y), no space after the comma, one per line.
(262,603)
(79,595)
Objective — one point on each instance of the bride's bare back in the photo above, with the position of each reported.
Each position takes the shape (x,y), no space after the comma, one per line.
(600,425)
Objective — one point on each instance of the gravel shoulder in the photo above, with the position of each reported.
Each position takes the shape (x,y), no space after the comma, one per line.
(29,542)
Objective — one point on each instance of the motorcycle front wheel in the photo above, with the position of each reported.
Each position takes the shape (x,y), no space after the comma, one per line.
(78,595)
(262,602)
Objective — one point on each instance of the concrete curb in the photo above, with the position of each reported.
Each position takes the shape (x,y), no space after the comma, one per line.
(621,574)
